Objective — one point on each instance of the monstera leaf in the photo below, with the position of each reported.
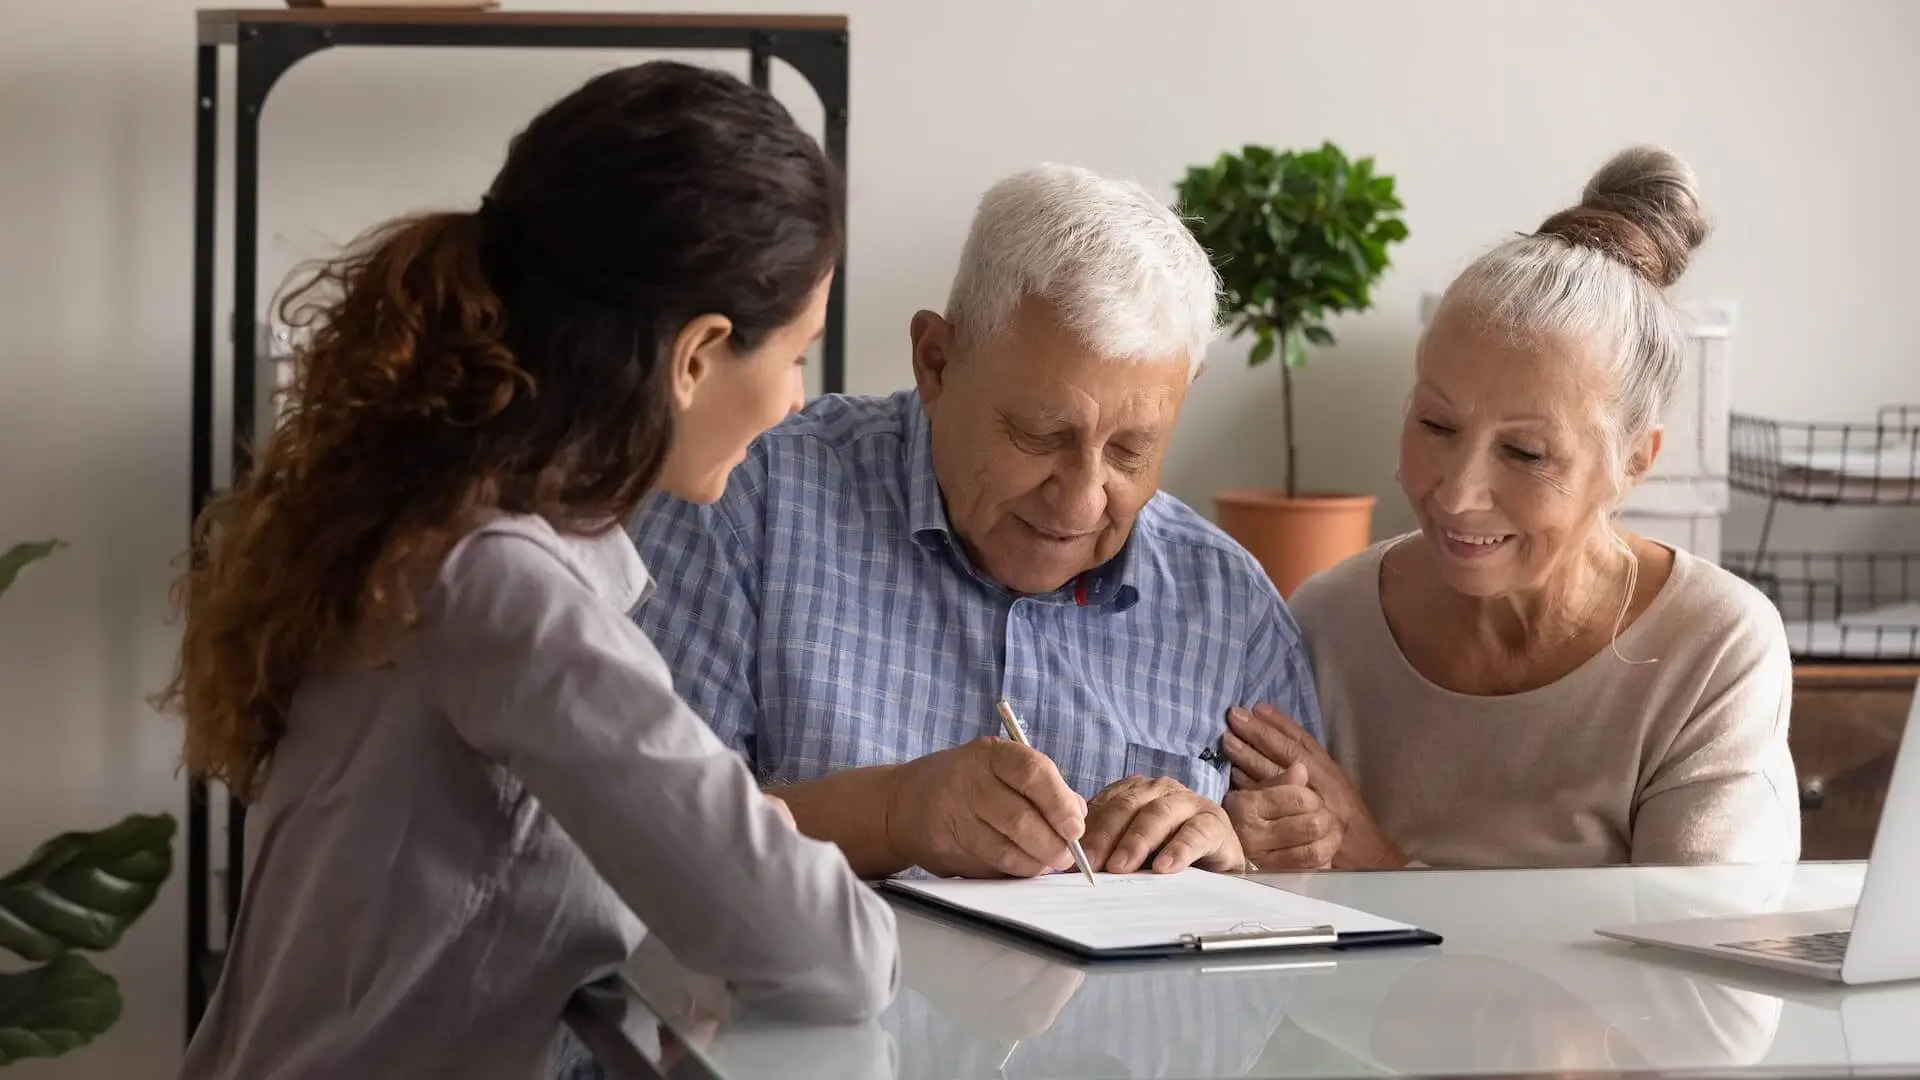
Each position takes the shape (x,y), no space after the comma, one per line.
(55,1008)
(20,556)
(78,890)
(82,889)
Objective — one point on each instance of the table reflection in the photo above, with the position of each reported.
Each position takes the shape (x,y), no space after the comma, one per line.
(1521,984)
(1008,1011)
(1496,1000)
(1481,1013)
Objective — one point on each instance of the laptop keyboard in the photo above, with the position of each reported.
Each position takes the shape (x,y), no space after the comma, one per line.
(1827,948)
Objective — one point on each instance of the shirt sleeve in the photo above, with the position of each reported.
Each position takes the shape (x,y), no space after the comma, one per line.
(704,613)
(1727,791)
(1279,671)
(541,675)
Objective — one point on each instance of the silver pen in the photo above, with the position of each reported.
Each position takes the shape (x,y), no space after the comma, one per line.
(1019,734)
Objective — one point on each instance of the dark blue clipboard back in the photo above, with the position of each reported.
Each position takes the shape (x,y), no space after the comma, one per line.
(955,913)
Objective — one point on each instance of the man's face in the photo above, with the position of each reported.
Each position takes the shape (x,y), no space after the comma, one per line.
(1045,450)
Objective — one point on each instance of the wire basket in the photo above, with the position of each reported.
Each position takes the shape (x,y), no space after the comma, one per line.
(1862,606)
(1877,463)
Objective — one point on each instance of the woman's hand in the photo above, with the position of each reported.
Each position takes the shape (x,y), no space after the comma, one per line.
(1284,824)
(1264,743)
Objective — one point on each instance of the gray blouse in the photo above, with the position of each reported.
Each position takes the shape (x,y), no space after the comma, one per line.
(450,845)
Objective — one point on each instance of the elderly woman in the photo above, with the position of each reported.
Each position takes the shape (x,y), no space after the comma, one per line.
(1520,682)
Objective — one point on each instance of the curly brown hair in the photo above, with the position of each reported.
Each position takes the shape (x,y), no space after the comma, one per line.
(507,359)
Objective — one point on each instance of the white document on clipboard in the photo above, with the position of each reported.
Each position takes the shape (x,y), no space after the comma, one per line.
(1157,914)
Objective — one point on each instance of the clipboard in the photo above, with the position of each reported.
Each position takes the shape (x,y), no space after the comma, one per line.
(1152,916)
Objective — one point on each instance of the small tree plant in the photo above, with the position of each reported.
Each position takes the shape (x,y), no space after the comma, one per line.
(1297,236)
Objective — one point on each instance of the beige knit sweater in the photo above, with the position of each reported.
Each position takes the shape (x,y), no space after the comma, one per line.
(1683,760)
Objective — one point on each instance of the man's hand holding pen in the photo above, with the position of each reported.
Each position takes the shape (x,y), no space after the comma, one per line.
(994,808)
(988,808)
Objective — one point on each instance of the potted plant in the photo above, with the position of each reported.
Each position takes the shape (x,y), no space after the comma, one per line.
(1297,236)
(78,891)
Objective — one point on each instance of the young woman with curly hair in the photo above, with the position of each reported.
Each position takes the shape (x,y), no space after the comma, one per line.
(407,639)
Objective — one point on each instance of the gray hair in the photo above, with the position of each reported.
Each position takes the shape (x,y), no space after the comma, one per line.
(1128,278)
(1596,274)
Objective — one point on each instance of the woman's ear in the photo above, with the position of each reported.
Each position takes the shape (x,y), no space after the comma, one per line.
(697,349)
(1643,458)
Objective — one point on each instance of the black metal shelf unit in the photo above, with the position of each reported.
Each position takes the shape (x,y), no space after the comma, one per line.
(1826,464)
(1841,607)
(269,42)
(1852,606)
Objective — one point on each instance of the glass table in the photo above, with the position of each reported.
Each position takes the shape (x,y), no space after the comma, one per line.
(1521,986)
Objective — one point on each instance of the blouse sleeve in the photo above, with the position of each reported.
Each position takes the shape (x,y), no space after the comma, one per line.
(540,674)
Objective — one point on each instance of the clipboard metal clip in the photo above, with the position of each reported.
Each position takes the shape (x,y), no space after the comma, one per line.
(1256,935)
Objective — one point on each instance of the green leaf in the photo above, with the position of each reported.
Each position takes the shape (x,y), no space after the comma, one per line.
(83,889)
(1262,348)
(1363,267)
(20,556)
(1296,350)
(54,1008)
(1319,335)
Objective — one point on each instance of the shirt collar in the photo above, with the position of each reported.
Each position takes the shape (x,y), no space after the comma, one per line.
(926,508)
(1110,586)
(606,562)
(612,568)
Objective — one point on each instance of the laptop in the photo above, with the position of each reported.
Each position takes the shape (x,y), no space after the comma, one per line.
(1876,941)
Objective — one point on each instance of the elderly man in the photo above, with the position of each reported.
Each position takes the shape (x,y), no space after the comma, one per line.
(884,571)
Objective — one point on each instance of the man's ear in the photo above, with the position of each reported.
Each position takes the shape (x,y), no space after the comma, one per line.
(1642,461)
(933,353)
(697,349)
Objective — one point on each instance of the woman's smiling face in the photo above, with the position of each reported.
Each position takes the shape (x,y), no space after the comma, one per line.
(1503,456)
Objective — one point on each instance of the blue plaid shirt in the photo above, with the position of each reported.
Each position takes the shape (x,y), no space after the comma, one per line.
(823,616)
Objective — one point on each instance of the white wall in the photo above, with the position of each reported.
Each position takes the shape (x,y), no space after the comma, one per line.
(1798,116)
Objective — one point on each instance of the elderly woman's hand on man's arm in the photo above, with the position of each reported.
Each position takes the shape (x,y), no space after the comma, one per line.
(1296,806)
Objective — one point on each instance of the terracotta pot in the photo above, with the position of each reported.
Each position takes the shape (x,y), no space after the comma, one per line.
(1296,538)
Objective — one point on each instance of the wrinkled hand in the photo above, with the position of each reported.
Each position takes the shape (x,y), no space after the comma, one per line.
(1135,818)
(1284,824)
(1263,744)
(989,808)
